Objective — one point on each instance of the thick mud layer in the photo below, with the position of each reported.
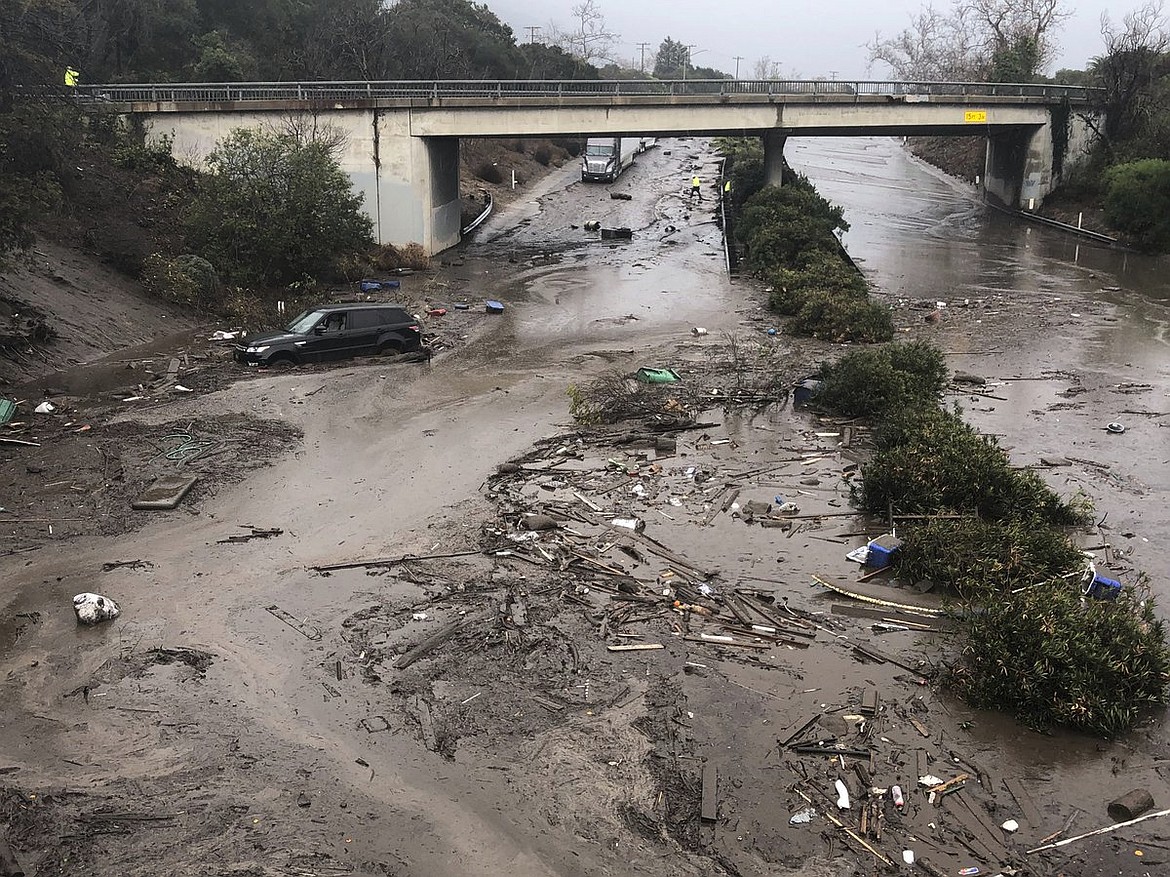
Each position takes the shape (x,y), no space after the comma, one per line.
(469,702)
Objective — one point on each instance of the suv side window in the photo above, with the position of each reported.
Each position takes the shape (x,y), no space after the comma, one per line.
(364,319)
(334,322)
(395,316)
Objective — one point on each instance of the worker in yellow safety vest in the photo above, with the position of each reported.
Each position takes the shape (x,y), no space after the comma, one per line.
(71,77)
(696,191)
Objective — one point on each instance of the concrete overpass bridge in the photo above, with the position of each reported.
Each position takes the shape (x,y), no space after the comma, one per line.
(402,138)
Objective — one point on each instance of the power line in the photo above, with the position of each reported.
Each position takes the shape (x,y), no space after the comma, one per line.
(738,58)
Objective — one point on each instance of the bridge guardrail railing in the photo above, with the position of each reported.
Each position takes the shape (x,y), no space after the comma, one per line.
(439,90)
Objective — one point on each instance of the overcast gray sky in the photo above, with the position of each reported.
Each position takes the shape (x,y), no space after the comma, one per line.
(807,38)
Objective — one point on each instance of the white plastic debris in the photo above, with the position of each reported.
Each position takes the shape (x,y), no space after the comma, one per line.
(179,388)
(94,608)
(787,508)
(698,331)
(635,524)
(930,780)
(802,817)
(908,856)
(221,335)
(1010,826)
(419,616)
(45,408)
(858,555)
(842,796)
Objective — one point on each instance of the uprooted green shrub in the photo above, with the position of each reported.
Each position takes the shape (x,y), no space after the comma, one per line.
(842,316)
(876,380)
(818,271)
(977,559)
(929,460)
(1052,657)
(781,226)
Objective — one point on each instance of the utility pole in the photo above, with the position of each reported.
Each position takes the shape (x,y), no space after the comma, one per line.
(738,58)
(687,59)
(643,47)
(532,31)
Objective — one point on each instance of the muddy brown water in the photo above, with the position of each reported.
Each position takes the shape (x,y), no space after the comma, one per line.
(392,461)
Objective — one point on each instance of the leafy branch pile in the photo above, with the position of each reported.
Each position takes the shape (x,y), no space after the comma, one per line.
(788,237)
(997,539)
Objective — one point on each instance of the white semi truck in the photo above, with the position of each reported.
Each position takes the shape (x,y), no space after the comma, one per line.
(605,158)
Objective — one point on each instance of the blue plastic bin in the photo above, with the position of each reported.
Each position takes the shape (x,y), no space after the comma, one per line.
(1102,588)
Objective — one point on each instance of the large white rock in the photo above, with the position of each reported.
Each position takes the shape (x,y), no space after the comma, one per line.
(93,608)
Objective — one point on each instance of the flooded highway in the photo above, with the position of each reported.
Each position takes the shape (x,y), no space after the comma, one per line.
(299,748)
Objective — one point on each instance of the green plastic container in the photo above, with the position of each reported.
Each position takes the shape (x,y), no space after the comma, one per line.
(657,375)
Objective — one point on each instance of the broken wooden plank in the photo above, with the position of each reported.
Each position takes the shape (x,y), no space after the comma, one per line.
(712,639)
(958,808)
(879,595)
(993,831)
(881,857)
(921,763)
(164,493)
(804,726)
(389,561)
(878,655)
(710,802)
(869,702)
(1024,800)
(662,551)
(636,647)
(920,728)
(436,639)
(924,623)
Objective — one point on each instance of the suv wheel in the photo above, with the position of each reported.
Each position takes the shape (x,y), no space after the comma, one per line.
(281,361)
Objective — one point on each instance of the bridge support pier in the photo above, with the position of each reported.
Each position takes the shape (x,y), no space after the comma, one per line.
(409,184)
(1018,167)
(774,157)
(1026,164)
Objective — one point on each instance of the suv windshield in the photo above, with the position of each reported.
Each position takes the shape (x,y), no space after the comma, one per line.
(305,322)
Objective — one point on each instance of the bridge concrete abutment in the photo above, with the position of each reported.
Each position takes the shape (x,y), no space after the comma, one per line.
(409,184)
(774,157)
(1024,165)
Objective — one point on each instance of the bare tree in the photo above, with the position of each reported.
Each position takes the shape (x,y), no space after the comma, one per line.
(936,47)
(1130,69)
(1018,35)
(590,39)
(305,128)
(766,68)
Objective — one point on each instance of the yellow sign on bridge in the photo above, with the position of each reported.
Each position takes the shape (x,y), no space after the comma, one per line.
(975,116)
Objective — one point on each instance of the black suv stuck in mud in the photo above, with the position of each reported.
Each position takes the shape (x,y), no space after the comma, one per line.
(334,332)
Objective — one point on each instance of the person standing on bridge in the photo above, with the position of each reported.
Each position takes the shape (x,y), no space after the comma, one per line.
(72,77)
(696,188)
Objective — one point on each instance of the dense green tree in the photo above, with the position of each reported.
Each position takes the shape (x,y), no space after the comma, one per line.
(276,208)
(671,57)
(1137,201)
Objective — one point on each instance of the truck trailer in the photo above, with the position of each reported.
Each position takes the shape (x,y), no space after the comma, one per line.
(605,158)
